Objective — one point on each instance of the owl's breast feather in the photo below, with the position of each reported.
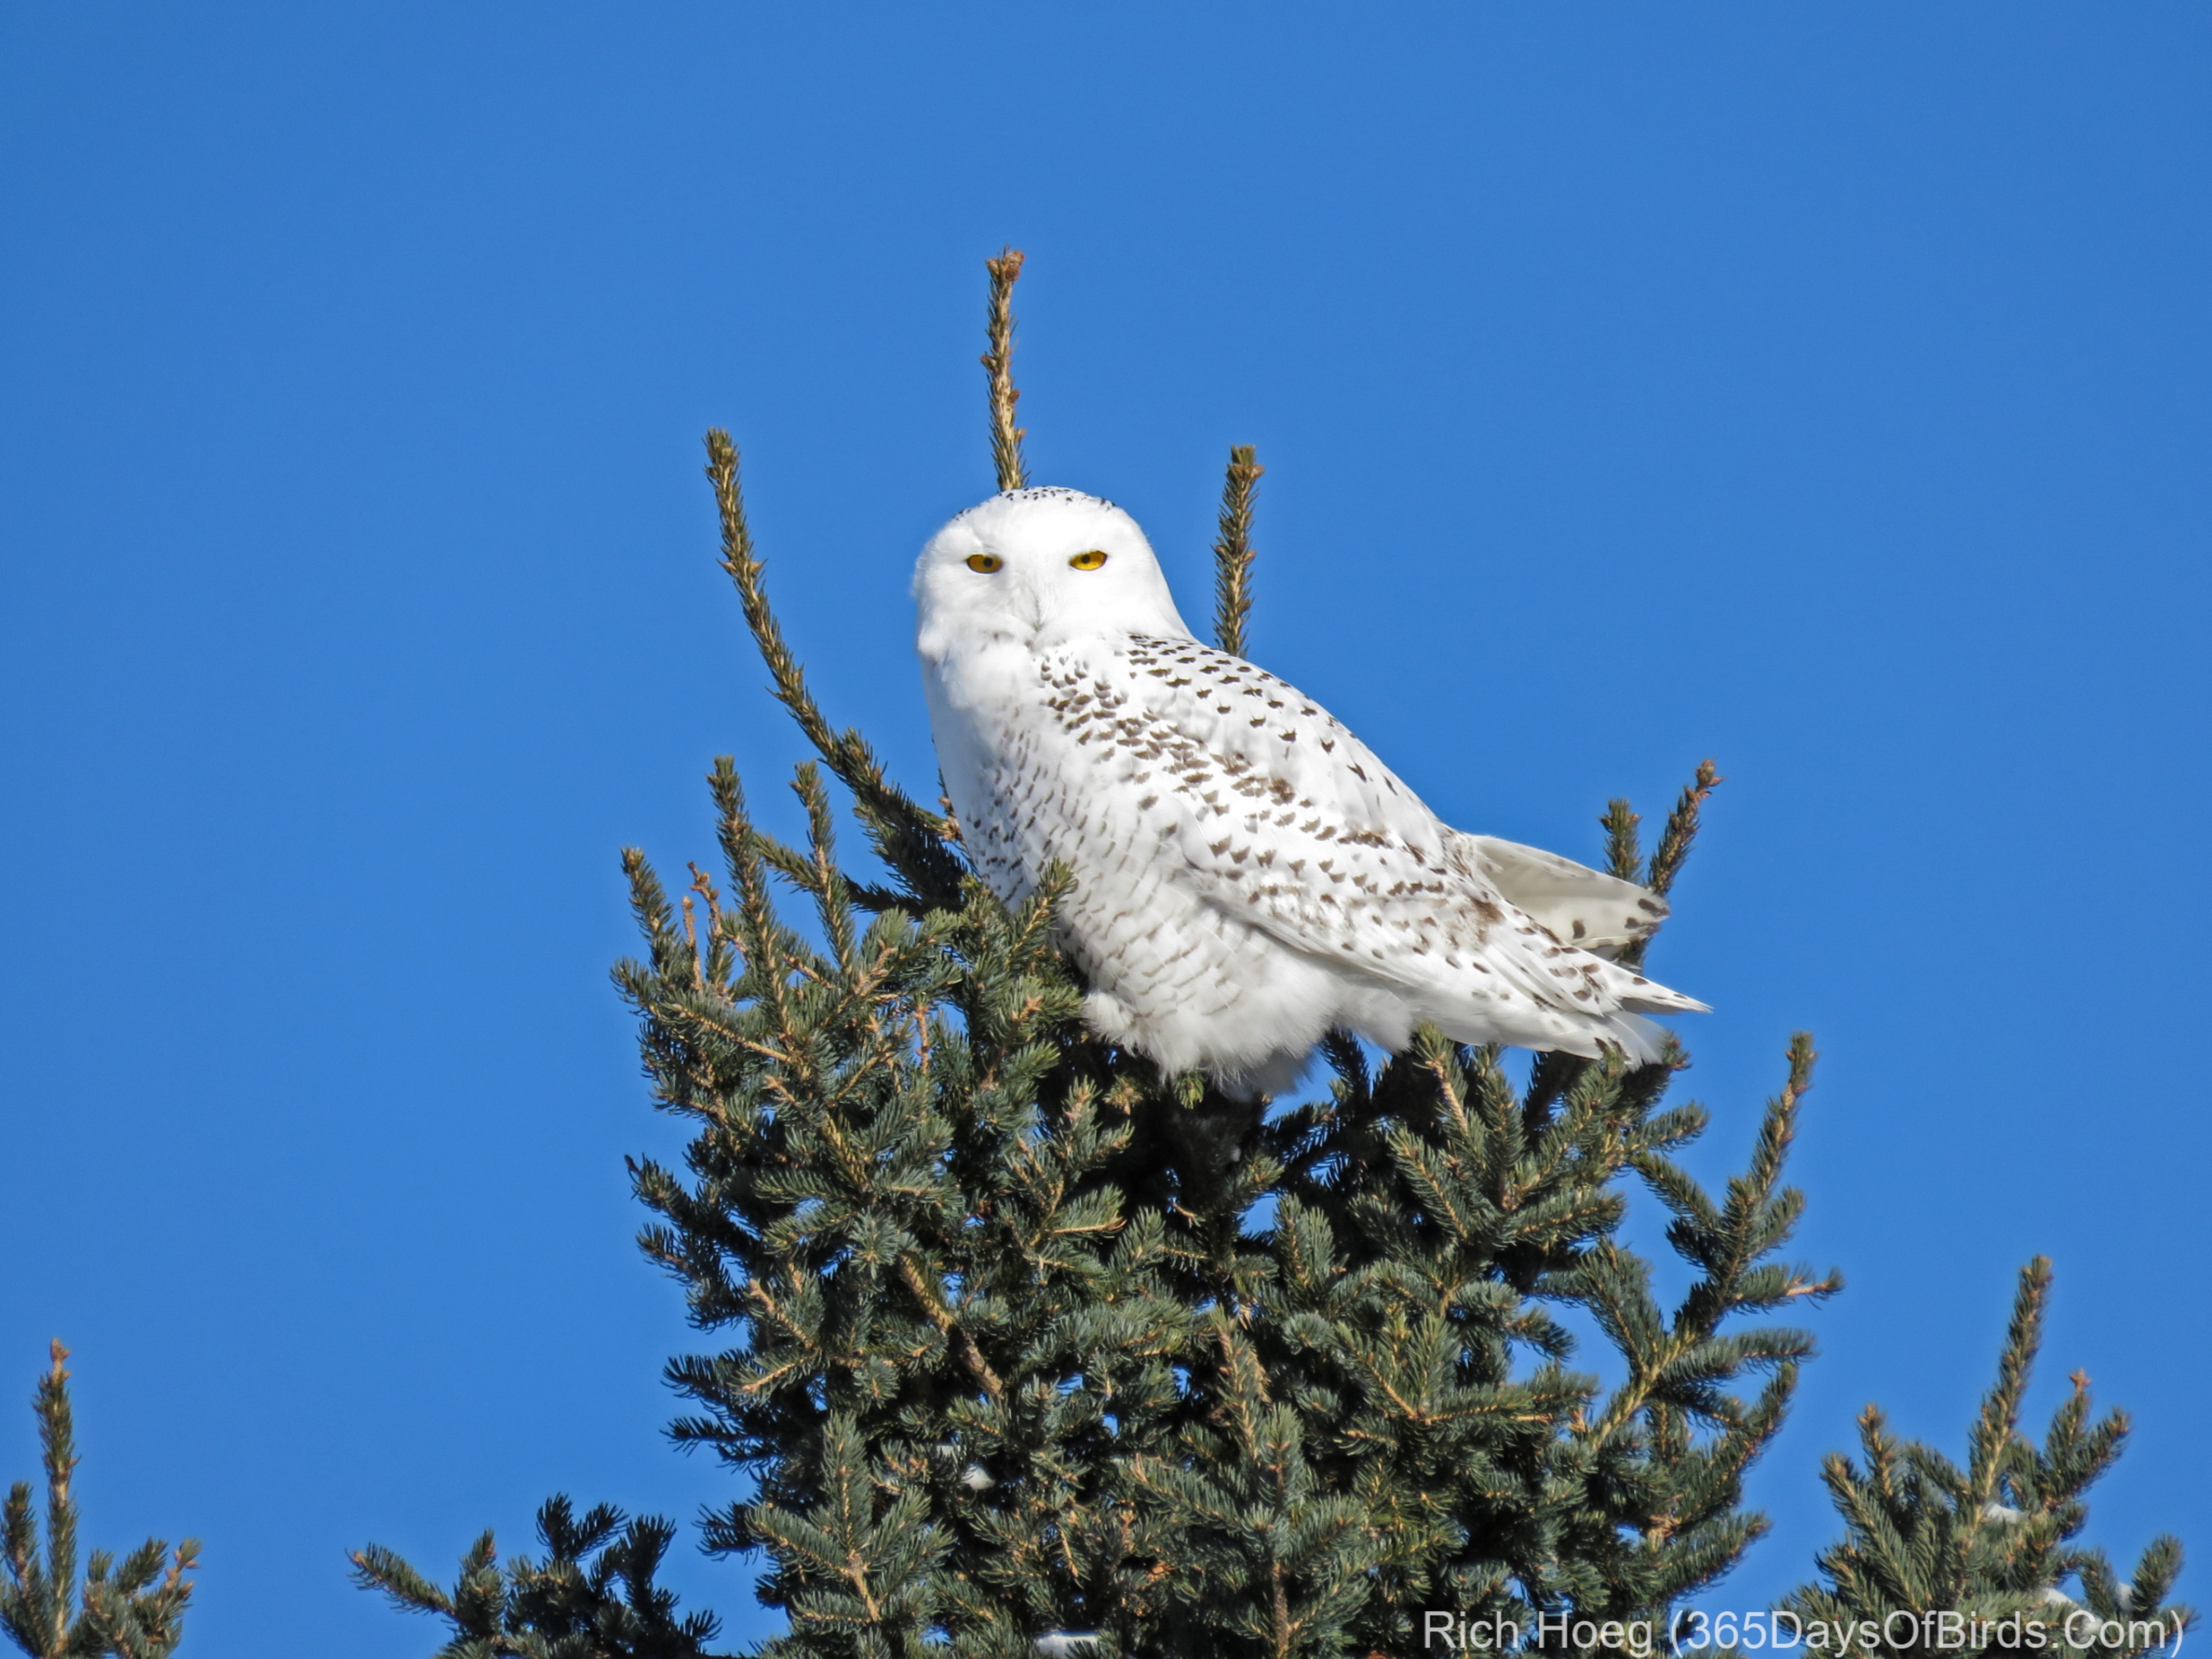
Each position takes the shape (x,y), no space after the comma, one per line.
(977,695)
(984,698)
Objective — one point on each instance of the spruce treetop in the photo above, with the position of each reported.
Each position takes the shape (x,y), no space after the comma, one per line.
(130,1609)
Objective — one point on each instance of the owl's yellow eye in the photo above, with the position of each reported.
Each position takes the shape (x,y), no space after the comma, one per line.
(984,563)
(1090,561)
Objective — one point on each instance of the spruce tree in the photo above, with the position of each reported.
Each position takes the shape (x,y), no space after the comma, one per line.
(1118,1363)
(1973,1558)
(1022,1348)
(131,1609)
(593,1596)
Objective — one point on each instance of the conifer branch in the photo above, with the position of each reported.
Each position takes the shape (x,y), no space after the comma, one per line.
(1729,1242)
(591,1595)
(135,1611)
(1996,1424)
(1624,855)
(999,362)
(1682,830)
(1233,551)
(912,840)
(1625,859)
(933,1309)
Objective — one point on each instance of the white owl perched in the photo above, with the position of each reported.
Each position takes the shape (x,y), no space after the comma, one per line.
(1248,875)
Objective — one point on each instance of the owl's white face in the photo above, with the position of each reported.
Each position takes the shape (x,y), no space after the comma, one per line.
(1039,567)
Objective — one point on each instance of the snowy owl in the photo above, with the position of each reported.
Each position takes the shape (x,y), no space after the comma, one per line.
(1248,875)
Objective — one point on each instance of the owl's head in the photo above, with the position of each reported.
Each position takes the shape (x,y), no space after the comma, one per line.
(1040,565)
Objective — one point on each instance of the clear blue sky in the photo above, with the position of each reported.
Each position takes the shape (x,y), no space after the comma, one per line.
(1821,388)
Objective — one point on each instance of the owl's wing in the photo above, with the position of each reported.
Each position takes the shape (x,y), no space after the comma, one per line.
(1283,819)
(1578,906)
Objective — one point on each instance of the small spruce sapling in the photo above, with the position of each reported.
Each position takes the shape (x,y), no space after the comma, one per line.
(133,1609)
(593,1595)
(1990,1543)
